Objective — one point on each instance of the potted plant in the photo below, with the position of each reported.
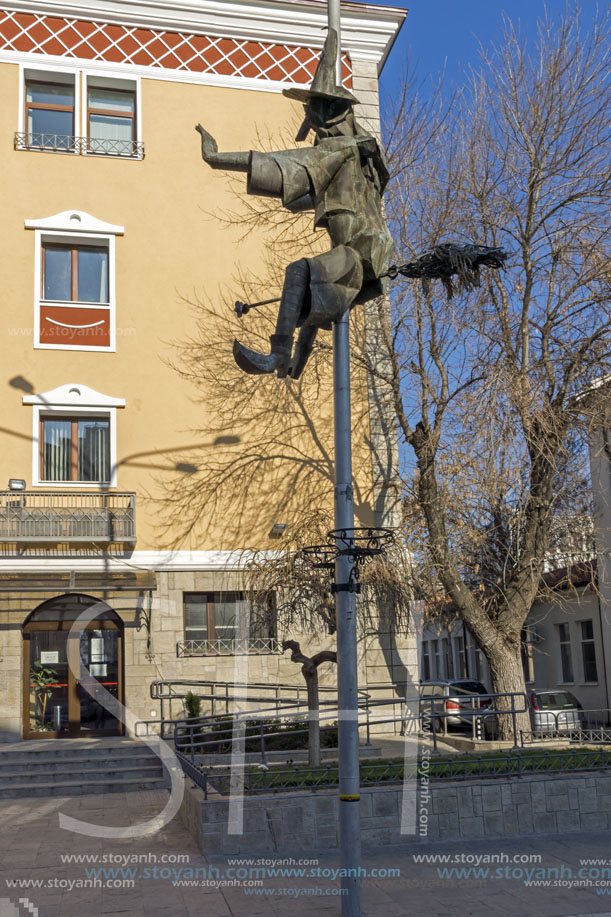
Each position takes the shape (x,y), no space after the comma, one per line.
(193,709)
(42,678)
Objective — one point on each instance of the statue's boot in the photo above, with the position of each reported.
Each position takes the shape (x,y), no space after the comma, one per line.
(258,363)
(294,291)
(303,349)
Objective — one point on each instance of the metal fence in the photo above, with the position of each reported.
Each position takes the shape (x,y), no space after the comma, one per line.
(264,779)
(227,647)
(575,725)
(66,143)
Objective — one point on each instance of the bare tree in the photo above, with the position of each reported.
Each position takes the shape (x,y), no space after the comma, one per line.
(294,586)
(484,383)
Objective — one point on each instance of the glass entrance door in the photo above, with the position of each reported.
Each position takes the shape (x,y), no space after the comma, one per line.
(48,682)
(62,699)
(99,650)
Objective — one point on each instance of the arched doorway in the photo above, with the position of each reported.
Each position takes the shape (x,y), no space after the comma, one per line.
(58,702)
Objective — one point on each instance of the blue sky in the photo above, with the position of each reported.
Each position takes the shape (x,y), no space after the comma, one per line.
(437,31)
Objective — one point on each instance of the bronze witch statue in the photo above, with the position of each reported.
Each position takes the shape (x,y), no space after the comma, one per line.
(341,178)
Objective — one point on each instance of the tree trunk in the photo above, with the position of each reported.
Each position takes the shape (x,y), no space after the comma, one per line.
(309,670)
(505,661)
(311,678)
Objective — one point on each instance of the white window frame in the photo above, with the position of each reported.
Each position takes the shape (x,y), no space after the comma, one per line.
(74,399)
(459,656)
(561,643)
(106,80)
(426,654)
(438,658)
(50,74)
(591,640)
(80,228)
(81,78)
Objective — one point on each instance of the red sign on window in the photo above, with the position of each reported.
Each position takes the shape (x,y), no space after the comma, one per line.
(74,326)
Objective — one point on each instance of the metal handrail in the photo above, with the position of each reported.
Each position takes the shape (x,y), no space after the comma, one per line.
(477,713)
(221,694)
(163,688)
(200,733)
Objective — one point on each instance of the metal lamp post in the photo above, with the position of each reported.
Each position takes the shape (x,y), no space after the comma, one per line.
(345,600)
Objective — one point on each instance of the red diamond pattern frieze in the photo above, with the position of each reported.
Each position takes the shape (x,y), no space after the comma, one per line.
(120,44)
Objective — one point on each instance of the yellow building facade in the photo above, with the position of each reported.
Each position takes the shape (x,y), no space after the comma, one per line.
(113,230)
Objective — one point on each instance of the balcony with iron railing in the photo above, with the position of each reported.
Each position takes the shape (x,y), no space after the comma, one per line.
(105,518)
(66,143)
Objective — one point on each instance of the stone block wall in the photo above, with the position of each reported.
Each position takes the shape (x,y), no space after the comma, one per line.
(146,661)
(300,822)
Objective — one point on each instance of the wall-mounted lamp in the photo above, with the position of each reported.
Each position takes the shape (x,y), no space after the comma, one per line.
(16,484)
(277,530)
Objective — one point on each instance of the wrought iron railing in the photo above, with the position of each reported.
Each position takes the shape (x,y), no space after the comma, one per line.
(59,517)
(270,779)
(66,143)
(227,647)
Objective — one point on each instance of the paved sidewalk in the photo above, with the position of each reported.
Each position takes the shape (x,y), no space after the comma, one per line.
(32,844)
(395,746)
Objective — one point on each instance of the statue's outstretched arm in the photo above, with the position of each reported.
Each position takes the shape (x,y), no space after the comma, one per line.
(232,162)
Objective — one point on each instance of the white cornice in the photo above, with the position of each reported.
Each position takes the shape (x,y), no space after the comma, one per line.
(368,32)
(160,561)
(75,221)
(74,394)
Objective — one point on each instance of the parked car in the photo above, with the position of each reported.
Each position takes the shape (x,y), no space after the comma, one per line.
(555,712)
(463,698)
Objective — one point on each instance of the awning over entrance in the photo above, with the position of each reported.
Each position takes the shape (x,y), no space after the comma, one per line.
(77,581)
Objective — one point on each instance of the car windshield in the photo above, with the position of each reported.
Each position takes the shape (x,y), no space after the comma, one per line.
(469,687)
(554,700)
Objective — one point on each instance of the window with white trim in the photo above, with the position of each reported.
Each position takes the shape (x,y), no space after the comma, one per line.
(437,658)
(111,116)
(426,661)
(49,110)
(74,448)
(566,655)
(76,111)
(74,282)
(461,657)
(588,652)
(74,437)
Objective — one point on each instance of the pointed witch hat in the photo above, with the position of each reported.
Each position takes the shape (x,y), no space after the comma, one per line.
(324,85)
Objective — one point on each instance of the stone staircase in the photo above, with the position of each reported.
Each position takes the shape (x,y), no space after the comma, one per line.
(78,767)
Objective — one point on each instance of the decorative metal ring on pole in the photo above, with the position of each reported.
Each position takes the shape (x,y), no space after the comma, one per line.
(361,542)
(320,556)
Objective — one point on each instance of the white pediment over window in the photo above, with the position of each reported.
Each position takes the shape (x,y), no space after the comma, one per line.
(74,221)
(74,394)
